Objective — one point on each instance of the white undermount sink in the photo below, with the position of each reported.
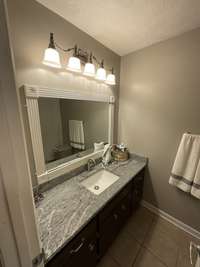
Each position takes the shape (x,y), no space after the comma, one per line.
(99,181)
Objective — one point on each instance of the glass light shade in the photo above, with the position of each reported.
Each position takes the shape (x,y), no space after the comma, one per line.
(101,74)
(51,58)
(111,79)
(74,64)
(89,70)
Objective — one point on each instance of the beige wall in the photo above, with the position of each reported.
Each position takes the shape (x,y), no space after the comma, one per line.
(159,101)
(30,26)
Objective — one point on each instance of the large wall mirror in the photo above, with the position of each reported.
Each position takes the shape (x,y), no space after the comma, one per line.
(64,127)
(70,128)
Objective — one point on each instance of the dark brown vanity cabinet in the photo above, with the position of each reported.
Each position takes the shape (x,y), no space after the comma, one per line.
(93,241)
(137,190)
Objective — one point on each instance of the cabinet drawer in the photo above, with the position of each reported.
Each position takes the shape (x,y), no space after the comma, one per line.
(106,212)
(108,231)
(83,244)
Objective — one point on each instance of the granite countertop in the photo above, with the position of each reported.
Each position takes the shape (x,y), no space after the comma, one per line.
(69,206)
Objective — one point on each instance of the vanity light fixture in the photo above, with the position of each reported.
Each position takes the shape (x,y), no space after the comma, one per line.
(89,69)
(80,56)
(111,78)
(101,72)
(51,55)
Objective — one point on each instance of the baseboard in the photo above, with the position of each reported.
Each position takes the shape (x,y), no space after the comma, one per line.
(171,219)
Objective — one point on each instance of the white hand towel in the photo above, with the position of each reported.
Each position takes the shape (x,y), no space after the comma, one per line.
(195,191)
(186,169)
(76,134)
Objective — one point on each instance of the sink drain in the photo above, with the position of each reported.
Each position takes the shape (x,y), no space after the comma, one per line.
(96,187)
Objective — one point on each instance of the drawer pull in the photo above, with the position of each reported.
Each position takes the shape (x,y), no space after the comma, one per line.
(73,251)
(123,207)
(115,216)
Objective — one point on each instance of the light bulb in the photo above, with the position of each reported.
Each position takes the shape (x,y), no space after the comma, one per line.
(89,70)
(111,79)
(101,74)
(74,64)
(51,58)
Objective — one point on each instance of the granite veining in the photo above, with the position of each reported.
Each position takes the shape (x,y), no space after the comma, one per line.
(69,206)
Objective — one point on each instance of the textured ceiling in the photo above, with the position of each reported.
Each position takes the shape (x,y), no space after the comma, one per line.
(128,25)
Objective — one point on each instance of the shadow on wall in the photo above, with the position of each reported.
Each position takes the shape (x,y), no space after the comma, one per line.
(149,192)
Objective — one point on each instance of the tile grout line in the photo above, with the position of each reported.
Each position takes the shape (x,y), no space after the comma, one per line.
(114,260)
(152,252)
(137,255)
(158,258)
(139,250)
(143,243)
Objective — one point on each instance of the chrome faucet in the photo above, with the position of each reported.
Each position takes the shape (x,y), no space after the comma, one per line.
(91,164)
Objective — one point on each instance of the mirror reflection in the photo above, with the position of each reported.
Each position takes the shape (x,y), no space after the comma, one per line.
(70,128)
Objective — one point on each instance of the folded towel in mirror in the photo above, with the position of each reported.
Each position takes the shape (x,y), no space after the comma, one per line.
(76,134)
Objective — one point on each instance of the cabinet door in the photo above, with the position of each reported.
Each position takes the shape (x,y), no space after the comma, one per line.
(111,227)
(137,190)
(125,208)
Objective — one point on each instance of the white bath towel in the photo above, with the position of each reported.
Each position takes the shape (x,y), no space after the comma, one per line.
(76,134)
(186,169)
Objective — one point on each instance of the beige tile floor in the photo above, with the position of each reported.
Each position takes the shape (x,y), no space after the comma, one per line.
(149,241)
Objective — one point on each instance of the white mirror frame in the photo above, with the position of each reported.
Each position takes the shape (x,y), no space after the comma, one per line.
(32,93)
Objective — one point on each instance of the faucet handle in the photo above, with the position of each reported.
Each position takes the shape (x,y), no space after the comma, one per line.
(91,163)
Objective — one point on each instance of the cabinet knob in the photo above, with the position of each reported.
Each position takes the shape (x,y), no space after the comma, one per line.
(91,246)
(136,192)
(115,216)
